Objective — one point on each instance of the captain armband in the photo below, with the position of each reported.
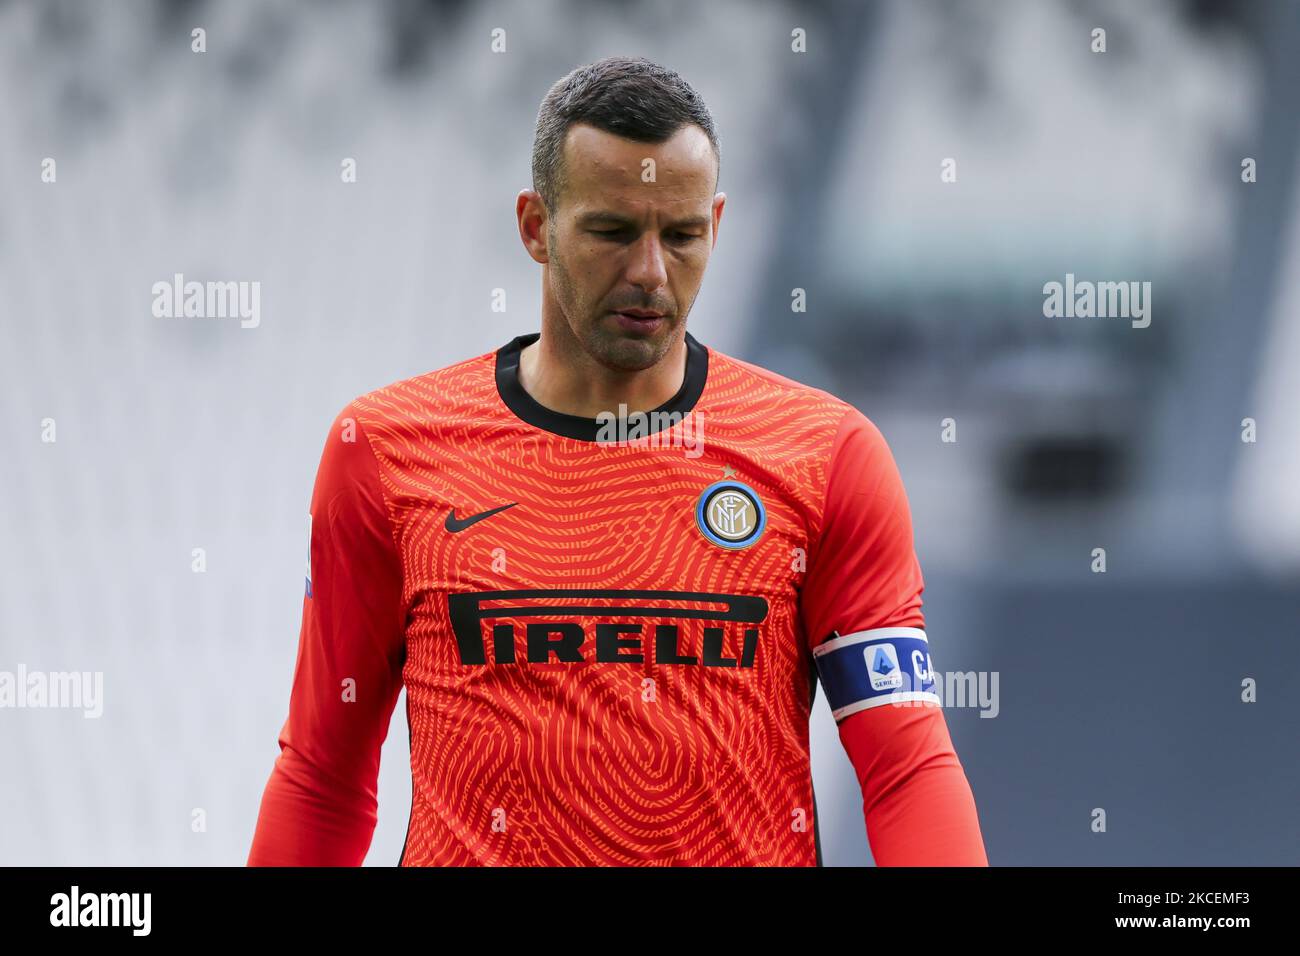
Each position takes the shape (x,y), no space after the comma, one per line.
(886,665)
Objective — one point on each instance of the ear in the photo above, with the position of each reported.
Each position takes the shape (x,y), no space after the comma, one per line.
(531,213)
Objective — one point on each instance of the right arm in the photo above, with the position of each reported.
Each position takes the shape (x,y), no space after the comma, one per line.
(320,804)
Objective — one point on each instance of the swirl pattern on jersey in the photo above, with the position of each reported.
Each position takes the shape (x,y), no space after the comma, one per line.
(528,758)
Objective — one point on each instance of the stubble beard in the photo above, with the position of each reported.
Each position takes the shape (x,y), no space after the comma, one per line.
(590,325)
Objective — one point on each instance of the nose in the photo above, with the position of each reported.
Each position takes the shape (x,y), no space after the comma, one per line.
(646,264)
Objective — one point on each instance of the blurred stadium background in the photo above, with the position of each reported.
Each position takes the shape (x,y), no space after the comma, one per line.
(1118,690)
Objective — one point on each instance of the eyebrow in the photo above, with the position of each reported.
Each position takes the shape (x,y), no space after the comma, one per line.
(688,222)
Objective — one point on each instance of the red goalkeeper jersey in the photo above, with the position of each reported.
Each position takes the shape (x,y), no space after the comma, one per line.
(610,630)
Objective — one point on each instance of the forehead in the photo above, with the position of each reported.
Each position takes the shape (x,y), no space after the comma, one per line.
(603,168)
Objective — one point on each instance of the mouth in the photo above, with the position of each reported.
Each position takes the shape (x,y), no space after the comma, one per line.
(639,320)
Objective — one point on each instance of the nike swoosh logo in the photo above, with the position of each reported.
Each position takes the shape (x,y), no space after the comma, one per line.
(454,524)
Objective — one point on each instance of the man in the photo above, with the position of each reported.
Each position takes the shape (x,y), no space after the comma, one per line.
(610,624)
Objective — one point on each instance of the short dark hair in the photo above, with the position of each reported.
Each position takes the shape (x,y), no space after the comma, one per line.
(627,96)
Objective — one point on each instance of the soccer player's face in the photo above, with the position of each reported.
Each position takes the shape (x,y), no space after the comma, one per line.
(634,229)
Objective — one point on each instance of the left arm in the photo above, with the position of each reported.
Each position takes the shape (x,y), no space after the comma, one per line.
(861,609)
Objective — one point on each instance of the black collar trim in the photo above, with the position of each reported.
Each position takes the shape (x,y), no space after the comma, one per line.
(573,426)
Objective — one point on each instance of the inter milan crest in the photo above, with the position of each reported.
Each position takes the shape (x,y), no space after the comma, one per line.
(730,514)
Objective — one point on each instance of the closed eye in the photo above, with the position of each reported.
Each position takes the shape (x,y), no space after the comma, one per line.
(675,236)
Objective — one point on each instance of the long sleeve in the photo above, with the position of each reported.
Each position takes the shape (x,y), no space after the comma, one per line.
(320,804)
(861,608)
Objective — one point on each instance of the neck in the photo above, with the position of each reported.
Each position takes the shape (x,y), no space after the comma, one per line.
(559,374)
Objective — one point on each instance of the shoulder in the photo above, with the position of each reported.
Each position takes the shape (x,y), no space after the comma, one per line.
(846,453)
(426,399)
(729,368)
(737,383)
(467,377)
